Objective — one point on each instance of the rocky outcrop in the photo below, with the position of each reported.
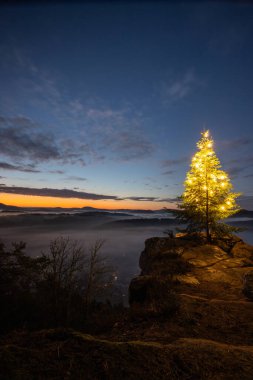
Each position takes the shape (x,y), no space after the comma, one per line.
(248,285)
(196,289)
(188,264)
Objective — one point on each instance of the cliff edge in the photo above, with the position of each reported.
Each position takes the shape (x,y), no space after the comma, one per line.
(195,289)
(190,317)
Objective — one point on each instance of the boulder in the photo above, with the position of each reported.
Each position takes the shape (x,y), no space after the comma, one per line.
(187,263)
(160,250)
(242,250)
(190,288)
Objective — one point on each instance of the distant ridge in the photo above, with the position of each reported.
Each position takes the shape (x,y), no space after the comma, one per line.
(244,213)
(10,208)
(4,207)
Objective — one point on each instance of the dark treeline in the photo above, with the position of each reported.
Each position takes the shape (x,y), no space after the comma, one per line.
(67,286)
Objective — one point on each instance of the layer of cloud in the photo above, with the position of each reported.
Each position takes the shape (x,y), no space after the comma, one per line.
(170,200)
(237,167)
(131,145)
(75,178)
(109,133)
(169,164)
(22,139)
(235,143)
(68,193)
(168,172)
(57,193)
(56,171)
(235,171)
(178,89)
(142,199)
(117,133)
(173,162)
(19,168)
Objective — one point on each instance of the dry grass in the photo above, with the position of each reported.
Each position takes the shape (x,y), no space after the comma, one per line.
(61,354)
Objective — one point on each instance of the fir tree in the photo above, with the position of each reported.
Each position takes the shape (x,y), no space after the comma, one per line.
(208,196)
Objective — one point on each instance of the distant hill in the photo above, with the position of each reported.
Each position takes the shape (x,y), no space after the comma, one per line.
(244,213)
(102,213)
(86,209)
(4,207)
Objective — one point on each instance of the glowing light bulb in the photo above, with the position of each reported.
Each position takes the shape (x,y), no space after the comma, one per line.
(223,184)
(222,207)
(206,134)
(204,187)
(209,145)
(228,203)
(222,177)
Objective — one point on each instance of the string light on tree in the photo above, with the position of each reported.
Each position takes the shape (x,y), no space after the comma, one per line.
(208,195)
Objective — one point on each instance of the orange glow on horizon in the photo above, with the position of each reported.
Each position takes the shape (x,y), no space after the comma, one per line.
(39,201)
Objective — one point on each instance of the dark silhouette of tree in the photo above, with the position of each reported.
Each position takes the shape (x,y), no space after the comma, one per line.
(58,288)
(99,275)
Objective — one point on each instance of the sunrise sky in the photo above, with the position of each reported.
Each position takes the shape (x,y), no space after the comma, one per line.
(102,103)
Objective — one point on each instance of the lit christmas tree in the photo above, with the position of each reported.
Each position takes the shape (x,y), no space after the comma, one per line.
(208,195)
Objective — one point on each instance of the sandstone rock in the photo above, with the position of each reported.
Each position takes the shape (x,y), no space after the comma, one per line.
(187,263)
(227,243)
(160,249)
(242,250)
(154,294)
(248,285)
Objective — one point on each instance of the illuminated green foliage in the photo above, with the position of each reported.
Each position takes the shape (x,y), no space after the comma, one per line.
(208,196)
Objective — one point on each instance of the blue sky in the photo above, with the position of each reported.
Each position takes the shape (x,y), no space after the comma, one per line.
(109,99)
